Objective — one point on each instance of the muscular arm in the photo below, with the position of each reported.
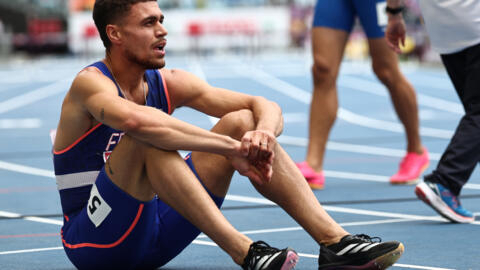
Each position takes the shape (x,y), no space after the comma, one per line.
(96,95)
(187,90)
(258,145)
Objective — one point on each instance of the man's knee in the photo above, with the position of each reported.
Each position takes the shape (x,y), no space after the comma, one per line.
(132,142)
(236,124)
(323,71)
(384,72)
(132,147)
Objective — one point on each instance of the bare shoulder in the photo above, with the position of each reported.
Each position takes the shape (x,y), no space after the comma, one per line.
(173,76)
(182,86)
(75,119)
(89,81)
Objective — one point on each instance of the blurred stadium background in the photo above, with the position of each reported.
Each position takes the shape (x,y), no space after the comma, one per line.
(65,27)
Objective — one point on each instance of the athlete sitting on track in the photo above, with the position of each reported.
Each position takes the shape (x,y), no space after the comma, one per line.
(132,202)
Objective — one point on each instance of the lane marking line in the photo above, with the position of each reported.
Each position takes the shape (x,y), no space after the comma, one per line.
(29,250)
(60,86)
(303,96)
(20,123)
(353,148)
(209,243)
(338,174)
(298,228)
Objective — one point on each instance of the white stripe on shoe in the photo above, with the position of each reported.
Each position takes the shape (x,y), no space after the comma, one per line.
(369,247)
(345,250)
(357,247)
(265,261)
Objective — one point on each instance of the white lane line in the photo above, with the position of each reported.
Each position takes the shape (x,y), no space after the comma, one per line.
(31,218)
(378,89)
(29,250)
(242,198)
(265,201)
(303,96)
(20,123)
(357,119)
(338,174)
(346,210)
(205,243)
(420,267)
(9,214)
(346,147)
(298,228)
(26,169)
(35,95)
(209,243)
(315,256)
(354,148)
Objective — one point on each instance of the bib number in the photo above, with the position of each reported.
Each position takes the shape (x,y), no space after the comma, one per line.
(97,208)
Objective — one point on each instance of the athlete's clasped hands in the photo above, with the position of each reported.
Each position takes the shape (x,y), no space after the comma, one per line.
(256,151)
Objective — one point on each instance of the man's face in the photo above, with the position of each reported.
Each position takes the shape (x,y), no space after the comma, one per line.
(143,35)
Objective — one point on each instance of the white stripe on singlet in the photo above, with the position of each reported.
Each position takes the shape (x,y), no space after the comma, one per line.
(74,180)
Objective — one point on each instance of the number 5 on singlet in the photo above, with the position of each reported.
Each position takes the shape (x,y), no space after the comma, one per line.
(97,208)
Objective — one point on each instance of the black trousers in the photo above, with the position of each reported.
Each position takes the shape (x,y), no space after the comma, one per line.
(463,152)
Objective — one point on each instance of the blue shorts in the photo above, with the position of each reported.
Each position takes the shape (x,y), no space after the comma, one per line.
(341,14)
(131,235)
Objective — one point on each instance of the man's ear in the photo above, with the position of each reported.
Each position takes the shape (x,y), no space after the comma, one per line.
(113,33)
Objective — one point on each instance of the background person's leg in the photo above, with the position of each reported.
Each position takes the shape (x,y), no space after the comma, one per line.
(333,20)
(441,188)
(385,65)
(373,17)
(328,47)
(463,152)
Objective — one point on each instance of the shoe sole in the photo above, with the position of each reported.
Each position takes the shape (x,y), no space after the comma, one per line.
(411,181)
(425,194)
(315,186)
(290,261)
(405,183)
(379,263)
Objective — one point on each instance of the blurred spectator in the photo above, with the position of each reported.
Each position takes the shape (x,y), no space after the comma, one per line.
(299,17)
(80,5)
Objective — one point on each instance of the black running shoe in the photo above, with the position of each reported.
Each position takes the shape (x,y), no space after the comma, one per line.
(261,256)
(359,252)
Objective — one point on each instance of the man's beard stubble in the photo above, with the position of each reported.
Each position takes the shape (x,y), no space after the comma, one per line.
(147,64)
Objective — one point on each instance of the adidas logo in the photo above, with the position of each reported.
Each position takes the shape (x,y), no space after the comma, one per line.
(356,248)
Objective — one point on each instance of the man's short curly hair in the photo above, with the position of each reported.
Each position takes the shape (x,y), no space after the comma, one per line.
(108,12)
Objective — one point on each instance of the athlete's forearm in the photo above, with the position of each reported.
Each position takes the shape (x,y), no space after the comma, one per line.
(268,116)
(166,132)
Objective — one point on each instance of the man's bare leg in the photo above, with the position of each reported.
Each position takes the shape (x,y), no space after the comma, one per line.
(142,171)
(328,46)
(287,188)
(385,66)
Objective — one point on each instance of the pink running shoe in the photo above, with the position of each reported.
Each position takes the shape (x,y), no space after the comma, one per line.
(315,180)
(411,167)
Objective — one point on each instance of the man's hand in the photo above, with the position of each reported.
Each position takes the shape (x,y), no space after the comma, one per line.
(257,172)
(257,156)
(258,145)
(395,32)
